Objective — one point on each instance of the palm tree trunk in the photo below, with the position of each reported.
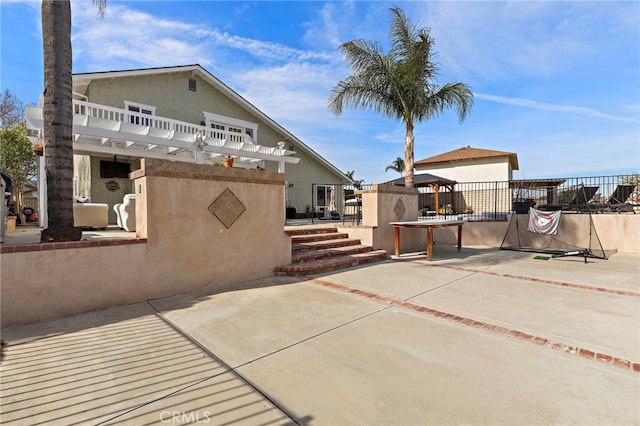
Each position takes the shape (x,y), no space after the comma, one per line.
(58,120)
(408,156)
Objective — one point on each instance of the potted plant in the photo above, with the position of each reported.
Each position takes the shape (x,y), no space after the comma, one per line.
(228,161)
(38,149)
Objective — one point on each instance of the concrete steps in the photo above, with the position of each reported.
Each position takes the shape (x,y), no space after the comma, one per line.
(321,249)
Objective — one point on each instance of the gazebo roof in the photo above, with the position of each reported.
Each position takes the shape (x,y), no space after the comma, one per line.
(536,183)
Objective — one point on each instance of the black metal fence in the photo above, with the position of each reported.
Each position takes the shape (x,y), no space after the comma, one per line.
(493,201)
(337,203)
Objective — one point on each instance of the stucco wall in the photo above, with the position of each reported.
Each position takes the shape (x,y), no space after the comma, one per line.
(379,209)
(480,170)
(616,232)
(187,247)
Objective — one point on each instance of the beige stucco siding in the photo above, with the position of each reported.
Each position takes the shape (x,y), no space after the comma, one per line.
(480,170)
(169,93)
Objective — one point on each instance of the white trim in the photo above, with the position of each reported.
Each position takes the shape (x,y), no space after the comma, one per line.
(234,122)
(151,108)
(104,129)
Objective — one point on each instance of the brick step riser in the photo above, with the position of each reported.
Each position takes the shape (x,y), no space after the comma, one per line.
(314,268)
(306,231)
(307,255)
(327,244)
(317,237)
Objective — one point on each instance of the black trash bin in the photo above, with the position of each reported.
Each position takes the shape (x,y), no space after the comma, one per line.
(521,207)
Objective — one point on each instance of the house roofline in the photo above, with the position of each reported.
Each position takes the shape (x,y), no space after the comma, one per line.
(468,154)
(198,70)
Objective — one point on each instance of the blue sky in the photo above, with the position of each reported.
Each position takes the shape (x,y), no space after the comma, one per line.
(558,83)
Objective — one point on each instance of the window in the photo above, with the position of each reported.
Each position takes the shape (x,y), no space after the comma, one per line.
(139,113)
(233,129)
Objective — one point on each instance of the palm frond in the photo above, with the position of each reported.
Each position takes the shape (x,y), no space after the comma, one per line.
(450,95)
(102,7)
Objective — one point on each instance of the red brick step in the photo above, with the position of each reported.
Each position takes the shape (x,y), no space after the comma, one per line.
(314,254)
(330,263)
(320,249)
(306,238)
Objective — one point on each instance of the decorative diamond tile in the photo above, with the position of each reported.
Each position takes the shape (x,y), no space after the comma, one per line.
(399,209)
(227,208)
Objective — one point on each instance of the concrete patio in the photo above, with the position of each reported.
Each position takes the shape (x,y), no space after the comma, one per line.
(478,337)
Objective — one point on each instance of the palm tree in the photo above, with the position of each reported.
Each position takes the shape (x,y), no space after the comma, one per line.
(400,84)
(397,165)
(357,183)
(58,118)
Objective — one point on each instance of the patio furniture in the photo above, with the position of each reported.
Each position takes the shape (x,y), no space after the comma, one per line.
(581,201)
(126,213)
(583,195)
(429,225)
(90,215)
(618,199)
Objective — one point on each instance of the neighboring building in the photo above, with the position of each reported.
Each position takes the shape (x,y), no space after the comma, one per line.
(471,165)
(491,199)
(181,113)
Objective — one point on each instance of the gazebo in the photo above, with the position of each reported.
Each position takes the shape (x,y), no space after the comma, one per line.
(434,182)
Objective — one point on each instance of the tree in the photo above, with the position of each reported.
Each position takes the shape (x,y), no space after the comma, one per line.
(357,183)
(397,165)
(11,110)
(17,160)
(58,119)
(400,84)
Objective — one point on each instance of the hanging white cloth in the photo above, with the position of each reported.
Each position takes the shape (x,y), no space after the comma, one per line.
(543,222)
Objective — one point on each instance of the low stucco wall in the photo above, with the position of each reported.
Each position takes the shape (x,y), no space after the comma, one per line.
(386,203)
(187,246)
(616,232)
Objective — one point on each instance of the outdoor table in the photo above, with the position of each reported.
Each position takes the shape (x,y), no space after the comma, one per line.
(429,225)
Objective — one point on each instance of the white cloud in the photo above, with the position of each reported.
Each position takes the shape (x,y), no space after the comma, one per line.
(527,103)
(141,39)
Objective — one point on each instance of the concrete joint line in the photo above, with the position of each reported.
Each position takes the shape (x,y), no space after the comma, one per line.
(538,280)
(439,287)
(469,322)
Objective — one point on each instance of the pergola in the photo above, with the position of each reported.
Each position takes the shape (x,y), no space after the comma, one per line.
(104,130)
(426,180)
(530,186)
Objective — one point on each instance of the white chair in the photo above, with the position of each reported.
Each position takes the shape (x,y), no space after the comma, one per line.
(126,213)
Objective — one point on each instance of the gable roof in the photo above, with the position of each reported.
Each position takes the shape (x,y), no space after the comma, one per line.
(468,153)
(82,80)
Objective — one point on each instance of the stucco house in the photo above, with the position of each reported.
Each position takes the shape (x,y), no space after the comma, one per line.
(470,164)
(181,113)
(489,176)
